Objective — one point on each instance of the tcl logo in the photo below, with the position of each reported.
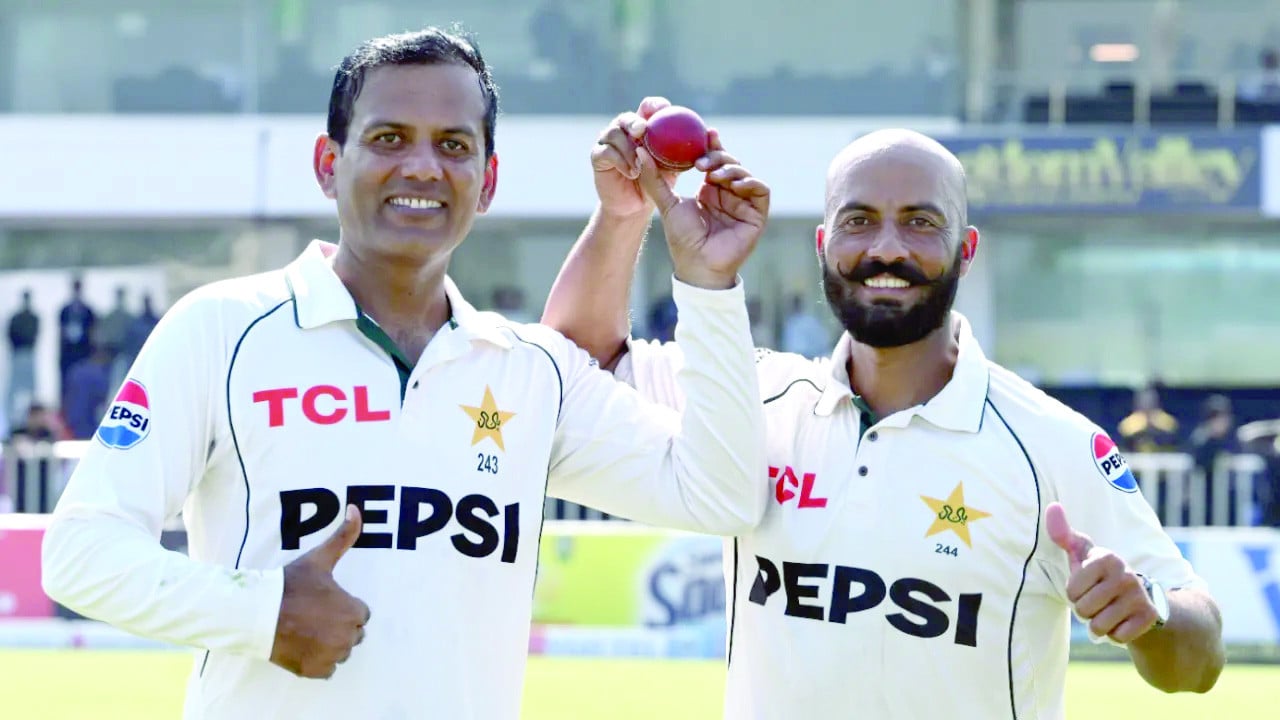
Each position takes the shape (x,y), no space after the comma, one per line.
(322,405)
(789,487)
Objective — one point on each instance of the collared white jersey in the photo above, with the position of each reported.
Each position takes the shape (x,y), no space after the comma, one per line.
(261,406)
(903,569)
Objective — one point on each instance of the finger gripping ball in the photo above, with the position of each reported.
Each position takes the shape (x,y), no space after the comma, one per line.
(676,137)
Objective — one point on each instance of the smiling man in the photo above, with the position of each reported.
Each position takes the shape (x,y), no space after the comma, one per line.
(361,458)
(916,560)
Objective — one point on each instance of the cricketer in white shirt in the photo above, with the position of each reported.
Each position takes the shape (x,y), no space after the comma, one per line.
(261,406)
(918,563)
(902,568)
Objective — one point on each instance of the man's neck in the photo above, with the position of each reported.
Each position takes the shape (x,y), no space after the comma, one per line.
(408,303)
(894,379)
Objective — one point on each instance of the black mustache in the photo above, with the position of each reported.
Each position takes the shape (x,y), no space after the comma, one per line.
(867,270)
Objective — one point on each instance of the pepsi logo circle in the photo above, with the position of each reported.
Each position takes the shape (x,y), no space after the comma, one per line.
(1112,465)
(128,420)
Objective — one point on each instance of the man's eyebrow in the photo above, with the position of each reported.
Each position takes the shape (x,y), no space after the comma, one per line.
(855,206)
(924,207)
(380,124)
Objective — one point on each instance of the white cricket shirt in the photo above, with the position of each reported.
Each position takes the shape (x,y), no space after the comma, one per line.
(902,569)
(261,406)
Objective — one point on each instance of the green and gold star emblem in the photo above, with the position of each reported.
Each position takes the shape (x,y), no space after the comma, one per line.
(488,419)
(952,514)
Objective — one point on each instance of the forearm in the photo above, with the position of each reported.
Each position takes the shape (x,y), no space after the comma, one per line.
(702,469)
(109,569)
(1187,653)
(590,298)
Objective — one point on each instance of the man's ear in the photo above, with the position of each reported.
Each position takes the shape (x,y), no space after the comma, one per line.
(324,156)
(490,184)
(968,248)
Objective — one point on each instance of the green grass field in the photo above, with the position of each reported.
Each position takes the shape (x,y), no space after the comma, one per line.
(131,685)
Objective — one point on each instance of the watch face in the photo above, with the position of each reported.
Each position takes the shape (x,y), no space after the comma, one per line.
(1158,598)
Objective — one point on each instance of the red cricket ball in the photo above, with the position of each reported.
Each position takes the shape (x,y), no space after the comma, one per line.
(675,136)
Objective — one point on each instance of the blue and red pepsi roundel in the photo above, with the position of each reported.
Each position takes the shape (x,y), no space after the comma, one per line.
(1112,464)
(128,420)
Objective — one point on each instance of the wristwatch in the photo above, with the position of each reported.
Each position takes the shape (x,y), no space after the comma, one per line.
(1155,593)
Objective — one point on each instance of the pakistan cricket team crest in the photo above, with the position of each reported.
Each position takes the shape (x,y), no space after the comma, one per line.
(952,514)
(488,419)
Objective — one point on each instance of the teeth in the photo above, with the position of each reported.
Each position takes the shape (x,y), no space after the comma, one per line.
(416,203)
(886,281)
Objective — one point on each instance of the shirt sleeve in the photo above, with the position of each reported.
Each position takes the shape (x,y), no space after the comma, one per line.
(1090,477)
(699,466)
(651,367)
(102,555)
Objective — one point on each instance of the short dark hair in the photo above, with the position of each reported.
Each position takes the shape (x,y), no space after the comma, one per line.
(430,46)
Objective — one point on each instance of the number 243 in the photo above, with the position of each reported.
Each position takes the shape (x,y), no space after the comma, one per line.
(487,463)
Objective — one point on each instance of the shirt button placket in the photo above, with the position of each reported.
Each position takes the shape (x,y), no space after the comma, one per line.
(871,436)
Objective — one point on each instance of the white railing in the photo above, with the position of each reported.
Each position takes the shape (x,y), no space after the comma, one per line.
(33,474)
(1003,97)
(1184,496)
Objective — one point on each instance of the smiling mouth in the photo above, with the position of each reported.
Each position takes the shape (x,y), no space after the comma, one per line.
(415,203)
(885,281)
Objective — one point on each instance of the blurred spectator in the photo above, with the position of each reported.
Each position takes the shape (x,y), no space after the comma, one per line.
(1213,437)
(508,300)
(40,425)
(1265,85)
(1269,492)
(24,327)
(140,327)
(662,319)
(802,332)
(87,393)
(116,324)
(573,68)
(1215,434)
(1266,444)
(554,35)
(1148,428)
(75,323)
(761,329)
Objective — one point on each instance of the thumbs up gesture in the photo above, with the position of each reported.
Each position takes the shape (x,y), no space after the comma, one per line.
(319,622)
(1104,591)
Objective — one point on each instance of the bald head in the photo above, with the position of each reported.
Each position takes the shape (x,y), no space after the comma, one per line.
(896,212)
(912,163)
